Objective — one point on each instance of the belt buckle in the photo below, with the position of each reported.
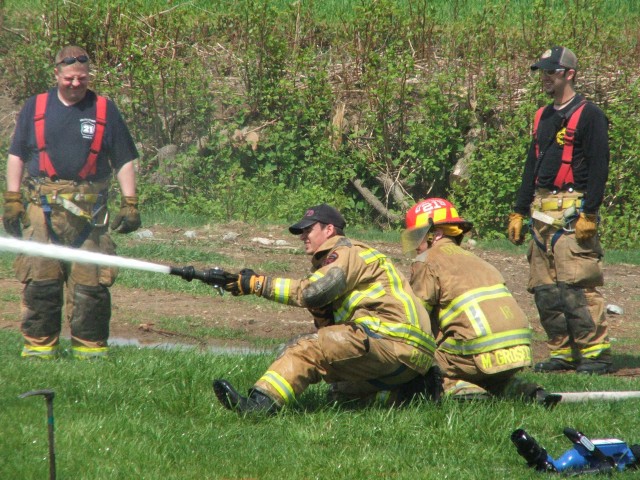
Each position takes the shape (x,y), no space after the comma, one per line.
(560,203)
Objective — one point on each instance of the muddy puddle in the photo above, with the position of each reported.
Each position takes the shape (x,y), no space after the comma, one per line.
(213,349)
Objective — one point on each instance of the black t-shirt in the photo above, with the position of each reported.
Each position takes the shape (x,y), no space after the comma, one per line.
(590,162)
(68,135)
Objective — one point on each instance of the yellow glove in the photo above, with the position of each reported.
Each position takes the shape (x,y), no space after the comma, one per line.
(246,283)
(128,218)
(586,226)
(14,214)
(515,228)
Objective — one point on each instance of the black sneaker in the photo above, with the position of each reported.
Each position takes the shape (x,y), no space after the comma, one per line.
(256,402)
(554,365)
(594,367)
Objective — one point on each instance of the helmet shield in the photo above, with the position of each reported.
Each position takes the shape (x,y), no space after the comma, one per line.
(411,238)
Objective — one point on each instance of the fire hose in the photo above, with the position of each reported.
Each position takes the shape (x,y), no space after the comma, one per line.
(217,278)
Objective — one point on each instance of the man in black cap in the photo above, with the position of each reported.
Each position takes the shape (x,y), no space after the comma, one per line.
(562,189)
(373,335)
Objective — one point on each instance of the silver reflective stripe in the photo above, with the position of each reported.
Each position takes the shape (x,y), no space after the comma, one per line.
(510,338)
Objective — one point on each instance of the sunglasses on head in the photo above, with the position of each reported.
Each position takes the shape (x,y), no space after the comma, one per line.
(554,71)
(72,60)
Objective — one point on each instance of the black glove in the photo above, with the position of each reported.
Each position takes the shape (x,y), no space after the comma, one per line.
(14,214)
(246,283)
(128,218)
(322,316)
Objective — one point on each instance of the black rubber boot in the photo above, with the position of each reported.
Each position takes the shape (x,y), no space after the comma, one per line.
(594,367)
(434,383)
(546,399)
(554,365)
(256,402)
(423,387)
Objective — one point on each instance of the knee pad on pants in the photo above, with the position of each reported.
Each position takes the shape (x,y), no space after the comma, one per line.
(91,312)
(42,308)
(576,309)
(550,305)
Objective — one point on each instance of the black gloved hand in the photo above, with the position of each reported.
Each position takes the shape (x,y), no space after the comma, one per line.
(246,283)
(128,218)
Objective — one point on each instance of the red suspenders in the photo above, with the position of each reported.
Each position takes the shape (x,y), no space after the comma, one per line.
(565,173)
(89,168)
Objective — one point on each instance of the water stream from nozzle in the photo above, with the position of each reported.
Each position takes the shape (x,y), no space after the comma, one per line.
(74,255)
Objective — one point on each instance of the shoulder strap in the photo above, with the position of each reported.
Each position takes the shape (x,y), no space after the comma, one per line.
(45,165)
(96,145)
(536,122)
(565,173)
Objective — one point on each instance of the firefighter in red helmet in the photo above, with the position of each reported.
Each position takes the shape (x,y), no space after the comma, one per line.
(483,336)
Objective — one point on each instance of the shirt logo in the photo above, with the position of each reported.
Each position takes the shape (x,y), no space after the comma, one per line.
(87,128)
(560,136)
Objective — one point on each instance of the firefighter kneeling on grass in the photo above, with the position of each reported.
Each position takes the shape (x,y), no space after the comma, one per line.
(373,336)
(483,335)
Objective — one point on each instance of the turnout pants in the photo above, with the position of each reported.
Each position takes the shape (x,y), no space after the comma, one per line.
(87,300)
(491,373)
(564,274)
(355,364)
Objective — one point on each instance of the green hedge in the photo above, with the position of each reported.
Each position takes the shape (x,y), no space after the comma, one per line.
(415,78)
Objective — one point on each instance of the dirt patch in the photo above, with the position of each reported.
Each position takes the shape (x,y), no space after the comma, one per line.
(136,311)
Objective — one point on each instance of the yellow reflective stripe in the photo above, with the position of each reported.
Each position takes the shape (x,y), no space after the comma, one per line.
(595,350)
(350,303)
(78,197)
(281,290)
(278,382)
(428,307)
(86,352)
(478,320)
(398,292)
(403,331)
(464,303)
(562,353)
(462,386)
(382,398)
(314,277)
(371,255)
(510,338)
(46,352)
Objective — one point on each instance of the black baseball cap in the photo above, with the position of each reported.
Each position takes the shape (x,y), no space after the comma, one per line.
(320,213)
(556,58)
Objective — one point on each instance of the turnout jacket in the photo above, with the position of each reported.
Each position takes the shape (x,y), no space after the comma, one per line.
(468,299)
(352,283)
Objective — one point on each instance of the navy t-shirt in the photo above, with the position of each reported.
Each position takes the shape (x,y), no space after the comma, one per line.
(68,135)
(590,162)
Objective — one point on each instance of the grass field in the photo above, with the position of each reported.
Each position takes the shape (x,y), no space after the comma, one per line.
(151,414)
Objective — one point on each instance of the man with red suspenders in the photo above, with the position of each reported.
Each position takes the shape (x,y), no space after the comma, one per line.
(562,188)
(66,144)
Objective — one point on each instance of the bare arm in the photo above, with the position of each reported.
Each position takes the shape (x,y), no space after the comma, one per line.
(15,169)
(127,179)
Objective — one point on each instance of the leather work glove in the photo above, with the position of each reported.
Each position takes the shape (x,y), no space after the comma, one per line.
(515,228)
(14,214)
(586,226)
(128,218)
(246,283)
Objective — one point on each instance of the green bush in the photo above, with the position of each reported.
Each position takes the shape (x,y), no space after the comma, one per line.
(252,93)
